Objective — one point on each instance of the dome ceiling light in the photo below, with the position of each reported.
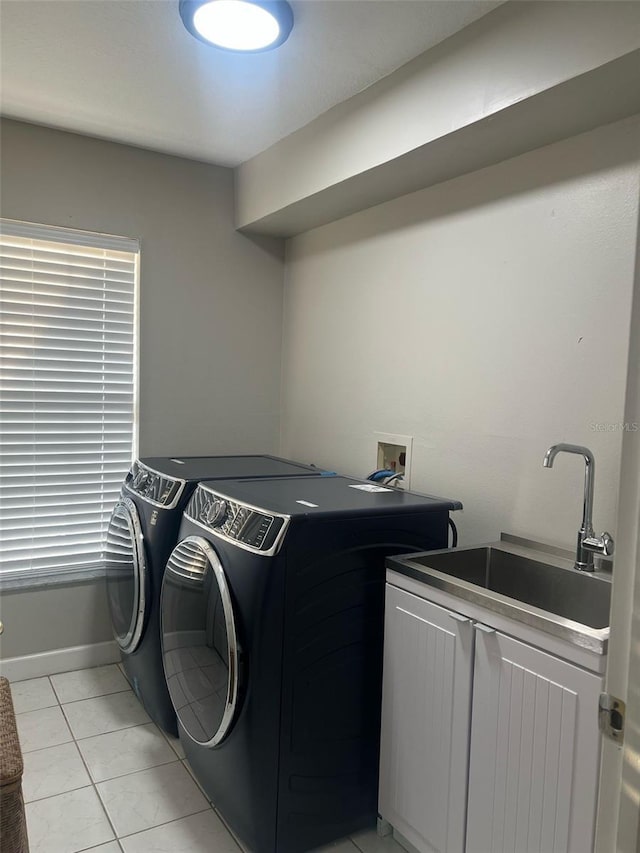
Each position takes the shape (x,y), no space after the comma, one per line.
(242,26)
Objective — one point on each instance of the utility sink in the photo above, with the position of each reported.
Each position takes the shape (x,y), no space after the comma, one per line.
(533,584)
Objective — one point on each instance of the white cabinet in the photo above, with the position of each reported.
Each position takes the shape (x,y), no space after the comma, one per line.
(428,667)
(489,745)
(535,748)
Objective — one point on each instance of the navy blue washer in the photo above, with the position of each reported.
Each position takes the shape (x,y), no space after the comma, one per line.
(142,532)
(272,627)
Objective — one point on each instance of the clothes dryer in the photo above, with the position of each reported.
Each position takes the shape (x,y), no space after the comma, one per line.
(272,630)
(142,531)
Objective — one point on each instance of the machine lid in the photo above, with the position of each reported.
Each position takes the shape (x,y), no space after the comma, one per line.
(195,468)
(161,481)
(200,647)
(327,496)
(126,572)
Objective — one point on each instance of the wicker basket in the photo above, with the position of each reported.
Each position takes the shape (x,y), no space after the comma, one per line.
(13,826)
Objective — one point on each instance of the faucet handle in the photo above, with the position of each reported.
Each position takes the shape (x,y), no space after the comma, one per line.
(603,545)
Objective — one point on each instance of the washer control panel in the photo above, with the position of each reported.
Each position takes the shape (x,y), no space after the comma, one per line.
(252,528)
(154,487)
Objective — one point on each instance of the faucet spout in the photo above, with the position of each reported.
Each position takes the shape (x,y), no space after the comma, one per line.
(588,543)
(589,477)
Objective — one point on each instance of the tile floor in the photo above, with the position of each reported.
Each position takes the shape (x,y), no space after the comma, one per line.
(100,776)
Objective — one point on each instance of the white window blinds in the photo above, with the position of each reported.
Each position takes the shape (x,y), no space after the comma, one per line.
(67,393)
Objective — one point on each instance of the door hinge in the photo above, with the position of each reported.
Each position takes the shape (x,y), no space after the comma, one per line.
(611,715)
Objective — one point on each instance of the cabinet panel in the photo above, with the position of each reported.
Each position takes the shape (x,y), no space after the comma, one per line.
(534,751)
(425,722)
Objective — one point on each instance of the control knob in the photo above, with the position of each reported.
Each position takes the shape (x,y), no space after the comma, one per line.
(149,485)
(140,479)
(216,512)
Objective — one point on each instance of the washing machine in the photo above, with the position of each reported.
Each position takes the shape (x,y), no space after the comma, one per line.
(142,531)
(272,633)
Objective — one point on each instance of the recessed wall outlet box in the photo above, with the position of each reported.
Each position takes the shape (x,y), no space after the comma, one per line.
(393,452)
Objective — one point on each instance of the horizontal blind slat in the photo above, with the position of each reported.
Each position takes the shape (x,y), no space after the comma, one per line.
(22,349)
(78,299)
(66,388)
(59,494)
(27,302)
(49,512)
(80,544)
(18,516)
(30,331)
(79,431)
(26,260)
(91,560)
(111,289)
(20,537)
(49,469)
(70,424)
(81,318)
(67,366)
(28,453)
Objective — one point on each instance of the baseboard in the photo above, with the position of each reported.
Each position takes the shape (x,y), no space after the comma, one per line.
(59,660)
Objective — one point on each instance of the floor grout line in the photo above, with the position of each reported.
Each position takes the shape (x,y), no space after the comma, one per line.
(78,741)
(96,791)
(110,732)
(55,692)
(166,823)
(187,767)
(100,803)
(131,772)
(126,689)
(169,739)
(44,708)
(70,791)
(98,696)
(98,846)
(135,772)
(236,841)
(36,710)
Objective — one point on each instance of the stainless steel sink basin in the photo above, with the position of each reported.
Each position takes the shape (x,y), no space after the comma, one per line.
(539,588)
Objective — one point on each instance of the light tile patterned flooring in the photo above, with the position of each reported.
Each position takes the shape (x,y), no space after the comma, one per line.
(100,776)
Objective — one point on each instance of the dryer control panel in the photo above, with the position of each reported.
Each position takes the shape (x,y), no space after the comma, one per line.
(249,527)
(154,487)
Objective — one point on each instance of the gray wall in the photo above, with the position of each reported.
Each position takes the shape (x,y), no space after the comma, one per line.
(210,313)
(54,617)
(487,317)
(210,298)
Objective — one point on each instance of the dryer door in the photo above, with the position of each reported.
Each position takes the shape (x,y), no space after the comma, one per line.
(199,641)
(127,579)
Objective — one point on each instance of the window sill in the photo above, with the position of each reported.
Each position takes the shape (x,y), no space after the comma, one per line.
(46,581)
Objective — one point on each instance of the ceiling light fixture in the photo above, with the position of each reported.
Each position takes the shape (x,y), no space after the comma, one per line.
(243,26)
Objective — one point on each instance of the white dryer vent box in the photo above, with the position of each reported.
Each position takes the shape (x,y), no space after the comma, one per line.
(393,452)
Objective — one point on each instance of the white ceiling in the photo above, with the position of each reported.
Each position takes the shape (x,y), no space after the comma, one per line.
(127,70)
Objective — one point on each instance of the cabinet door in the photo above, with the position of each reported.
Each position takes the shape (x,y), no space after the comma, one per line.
(425,721)
(534,751)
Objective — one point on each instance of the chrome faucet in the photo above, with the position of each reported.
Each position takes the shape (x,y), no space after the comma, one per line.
(588,542)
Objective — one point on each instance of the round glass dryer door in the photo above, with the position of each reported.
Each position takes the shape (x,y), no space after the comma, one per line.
(126,574)
(199,642)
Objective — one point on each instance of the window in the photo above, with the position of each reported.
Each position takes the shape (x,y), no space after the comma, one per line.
(67,394)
